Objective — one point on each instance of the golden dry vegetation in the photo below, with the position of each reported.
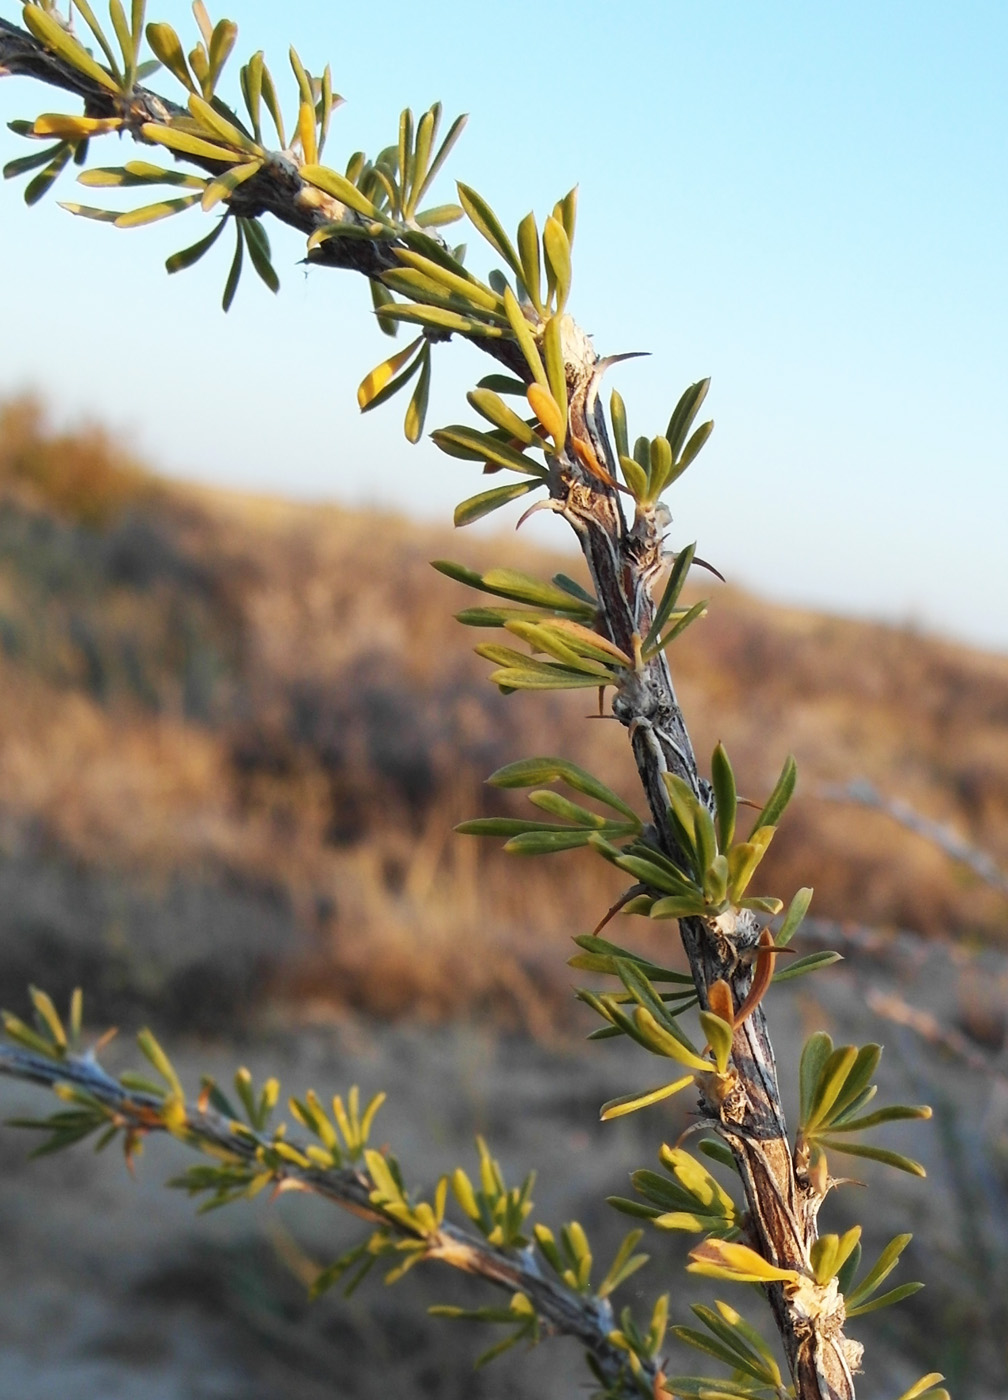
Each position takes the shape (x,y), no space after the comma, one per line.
(235,735)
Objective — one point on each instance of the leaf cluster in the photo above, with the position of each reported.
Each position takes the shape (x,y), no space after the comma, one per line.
(655,464)
(835,1088)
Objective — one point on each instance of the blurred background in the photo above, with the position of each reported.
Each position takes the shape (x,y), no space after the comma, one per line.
(238,722)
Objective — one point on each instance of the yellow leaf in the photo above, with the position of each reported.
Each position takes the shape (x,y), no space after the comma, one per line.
(306,131)
(70,128)
(721,1259)
(548,411)
(375,382)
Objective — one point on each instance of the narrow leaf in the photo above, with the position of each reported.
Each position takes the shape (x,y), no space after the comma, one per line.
(779,798)
(416,411)
(187,256)
(631,1103)
(231,285)
(486,221)
(725,795)
(475,507)
(800,966)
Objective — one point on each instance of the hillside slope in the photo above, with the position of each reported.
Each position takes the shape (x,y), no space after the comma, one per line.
(235,735)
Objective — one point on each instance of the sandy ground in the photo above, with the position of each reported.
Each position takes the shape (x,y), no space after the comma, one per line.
(113,1288)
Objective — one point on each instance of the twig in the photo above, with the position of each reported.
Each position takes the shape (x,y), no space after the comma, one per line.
(588,1319)
(862,793)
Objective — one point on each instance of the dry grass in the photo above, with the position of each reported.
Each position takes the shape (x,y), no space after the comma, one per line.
(275,699)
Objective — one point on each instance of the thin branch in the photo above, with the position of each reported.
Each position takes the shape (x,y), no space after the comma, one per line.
(864,794)
(276,189)
(588,1319)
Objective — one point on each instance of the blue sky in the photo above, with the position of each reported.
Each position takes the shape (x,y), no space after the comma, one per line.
(807,202)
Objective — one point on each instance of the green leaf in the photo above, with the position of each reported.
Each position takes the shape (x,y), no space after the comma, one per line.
(441,319)
(725,795)
(692,449)
(257,242)
(658,877)
(494,617)
(566,211)
(475,507)
(875,1154)
(722,1350)
(685,412)
(663,1042)
(426,130)
(556,247)
(534,675)
(24,1035)
(523,334)
(118,18)
(23,164)
(623,1265)
(719,1037)
(269,94)
(460,284)
(743,860)
(894,1113)
(717,1152)
(493,408)
(151,213)
(815,1052)
(45,179)
(885,1300)
(829,1253)
(857,1082)
(186,257)
(221,129)
(416,411)
(660,467)
(187,144)
(52,34)
(454,132)
(686,620)
(564,810)
(48,1018)
(635,477)
(779,798)
(298,69)
(923,1389)
(388,377)
(519,587)
(168,50)
(251,86)
(572,587)
(545,843)
(222,41)
(231,285)
(152,1051)
(333,183)
(797,910)
(811,963)
(556,370)
(528,252)
(604,949)
(225,184)
(618,418)
(542,638)
(138,172)
(486,221)
(502,384)
(830,1085)
(505,826)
